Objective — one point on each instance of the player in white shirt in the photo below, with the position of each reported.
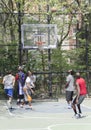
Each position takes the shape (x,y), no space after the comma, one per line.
(28,88)
(9,81)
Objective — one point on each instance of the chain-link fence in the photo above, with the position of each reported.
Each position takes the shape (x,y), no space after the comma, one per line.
(11,54)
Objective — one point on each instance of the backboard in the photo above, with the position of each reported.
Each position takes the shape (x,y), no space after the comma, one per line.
(35,35)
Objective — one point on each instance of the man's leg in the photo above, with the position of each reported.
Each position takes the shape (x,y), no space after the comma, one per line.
(74,108)
(69,95)
(18,96)
(80,100)
(10,97)
(21,100)
(9,102)
(79,108)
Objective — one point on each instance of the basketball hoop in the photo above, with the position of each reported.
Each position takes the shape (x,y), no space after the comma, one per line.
(39,36)
(40,45)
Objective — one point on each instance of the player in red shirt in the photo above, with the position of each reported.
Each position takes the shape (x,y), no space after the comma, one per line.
(81,94)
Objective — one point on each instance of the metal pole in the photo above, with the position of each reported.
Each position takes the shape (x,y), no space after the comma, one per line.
(87,73)
(49,55)
(86,33)
(19,27)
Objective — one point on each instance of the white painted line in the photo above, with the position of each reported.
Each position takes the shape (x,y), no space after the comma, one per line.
(68,124)
(29,129)
(50,118)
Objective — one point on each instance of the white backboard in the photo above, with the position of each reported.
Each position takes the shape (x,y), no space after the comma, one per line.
(31,34)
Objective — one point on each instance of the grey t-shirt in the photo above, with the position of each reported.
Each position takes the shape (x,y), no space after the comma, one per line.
(70,79)
(8,81)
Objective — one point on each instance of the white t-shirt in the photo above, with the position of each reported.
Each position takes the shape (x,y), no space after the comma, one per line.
(71,84)
(29,80)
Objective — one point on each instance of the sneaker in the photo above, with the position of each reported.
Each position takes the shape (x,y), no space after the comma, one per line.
(69,107)
(9,104)
(80,115)
(18,103)
(76,116)
(21,106)
(31,107)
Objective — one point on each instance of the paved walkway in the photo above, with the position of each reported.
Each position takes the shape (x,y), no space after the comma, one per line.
(50,115)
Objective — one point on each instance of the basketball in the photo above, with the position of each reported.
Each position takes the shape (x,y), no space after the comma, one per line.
(29,98)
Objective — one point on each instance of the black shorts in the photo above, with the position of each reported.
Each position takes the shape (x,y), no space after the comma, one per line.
(69,95)
(21,96)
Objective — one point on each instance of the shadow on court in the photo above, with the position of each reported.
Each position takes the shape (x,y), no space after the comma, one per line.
(47,115)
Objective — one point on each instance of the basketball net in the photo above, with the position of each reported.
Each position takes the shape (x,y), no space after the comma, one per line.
(40,45)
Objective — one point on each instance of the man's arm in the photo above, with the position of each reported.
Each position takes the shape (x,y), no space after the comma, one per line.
(67,84)
(13,81)
(3,80)
(29,86)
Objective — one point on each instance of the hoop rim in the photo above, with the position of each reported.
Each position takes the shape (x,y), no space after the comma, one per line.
(40,43)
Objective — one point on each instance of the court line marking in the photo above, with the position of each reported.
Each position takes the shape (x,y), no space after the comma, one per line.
(51,126)
(19,117)
(45,117)
(68,124)
(28,129)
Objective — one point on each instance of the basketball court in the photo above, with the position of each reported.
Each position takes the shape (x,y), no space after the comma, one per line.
(46,115)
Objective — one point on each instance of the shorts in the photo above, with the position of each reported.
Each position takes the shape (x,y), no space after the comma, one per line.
(21,96)
(20,89)
(80,99)
(9,92)
(69,95)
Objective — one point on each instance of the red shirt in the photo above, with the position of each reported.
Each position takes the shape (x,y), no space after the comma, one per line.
(17,77)
(82,85)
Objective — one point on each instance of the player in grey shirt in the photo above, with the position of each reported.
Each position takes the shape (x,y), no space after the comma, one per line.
(69,87)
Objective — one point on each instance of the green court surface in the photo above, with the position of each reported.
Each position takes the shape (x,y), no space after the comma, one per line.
(48,115)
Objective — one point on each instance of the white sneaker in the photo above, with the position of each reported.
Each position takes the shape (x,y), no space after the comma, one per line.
(31,107)
(69,107)
(80,115)
(9,104)
(77,116)
(21,106)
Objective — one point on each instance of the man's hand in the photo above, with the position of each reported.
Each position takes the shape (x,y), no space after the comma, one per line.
(76,100)
(67,84)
